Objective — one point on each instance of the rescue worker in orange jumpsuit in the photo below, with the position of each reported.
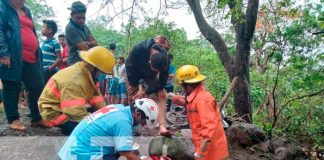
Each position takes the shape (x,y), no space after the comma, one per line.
(203,115)
(64,100)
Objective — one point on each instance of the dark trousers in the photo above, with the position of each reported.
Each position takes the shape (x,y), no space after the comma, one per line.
(67,127)
(33,79)
(169,101)
(48,74)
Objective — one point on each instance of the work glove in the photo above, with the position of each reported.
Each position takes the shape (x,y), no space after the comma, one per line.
(196,155)
(170,95)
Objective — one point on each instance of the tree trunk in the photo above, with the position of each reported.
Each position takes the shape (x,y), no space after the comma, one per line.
(241,91)
(239,64)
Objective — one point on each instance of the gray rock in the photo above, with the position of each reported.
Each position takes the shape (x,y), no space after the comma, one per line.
(246,134)
(175,148)
(289,151)
(186,133)
(264,146)
(277,142)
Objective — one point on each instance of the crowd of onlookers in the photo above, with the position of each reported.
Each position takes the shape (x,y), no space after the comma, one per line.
(29,64)
(71,80)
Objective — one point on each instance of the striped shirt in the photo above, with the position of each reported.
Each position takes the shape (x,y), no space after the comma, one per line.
(50,48)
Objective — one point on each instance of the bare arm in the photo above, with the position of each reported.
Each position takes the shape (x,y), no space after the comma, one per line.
(83,46)
(92,42)
(161,102)
(86,45)
(65,60)
(57,62)
(179,100)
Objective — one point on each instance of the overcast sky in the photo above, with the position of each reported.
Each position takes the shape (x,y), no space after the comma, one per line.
(180,16)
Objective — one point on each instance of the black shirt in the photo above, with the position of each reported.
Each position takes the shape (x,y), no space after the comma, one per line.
(138,67)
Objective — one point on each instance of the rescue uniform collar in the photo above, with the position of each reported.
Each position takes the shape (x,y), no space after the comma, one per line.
(86,69)
(194,93)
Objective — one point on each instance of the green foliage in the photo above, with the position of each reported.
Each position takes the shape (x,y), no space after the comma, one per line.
(300,73)
(195,52)
(40,11)
(278,56)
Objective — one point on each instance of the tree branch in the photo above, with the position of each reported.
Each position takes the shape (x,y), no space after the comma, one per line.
(158,14)
(275,116)
(227,94)
(236,9)
(212,36)
(320,32)
(130,25)
(124,10)
(261,68)
(251,17)
(300,97)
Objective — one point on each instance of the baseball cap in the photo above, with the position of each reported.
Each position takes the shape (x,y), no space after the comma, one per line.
(78,7)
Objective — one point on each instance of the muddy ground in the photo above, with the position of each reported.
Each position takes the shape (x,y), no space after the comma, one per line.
(43,143)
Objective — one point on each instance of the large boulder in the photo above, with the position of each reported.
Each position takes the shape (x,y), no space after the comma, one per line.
(284,149)
(289,152)
(277,142)
(245,134)
(176,148)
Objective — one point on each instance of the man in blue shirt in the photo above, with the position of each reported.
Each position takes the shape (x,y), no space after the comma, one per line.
(107,133)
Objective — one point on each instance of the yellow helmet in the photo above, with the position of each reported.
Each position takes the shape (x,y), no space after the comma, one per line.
(189,74)
(99,57)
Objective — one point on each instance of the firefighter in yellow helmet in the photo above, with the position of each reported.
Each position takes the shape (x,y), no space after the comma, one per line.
(203,115)
(69,93)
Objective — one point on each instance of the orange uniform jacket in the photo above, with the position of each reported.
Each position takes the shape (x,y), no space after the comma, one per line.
(205,122)
(67,93)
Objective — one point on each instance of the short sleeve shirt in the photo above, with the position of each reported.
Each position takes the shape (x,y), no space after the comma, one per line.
(75,34)
(101,134)
(50,48)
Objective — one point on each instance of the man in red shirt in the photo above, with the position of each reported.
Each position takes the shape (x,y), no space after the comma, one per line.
(65,51)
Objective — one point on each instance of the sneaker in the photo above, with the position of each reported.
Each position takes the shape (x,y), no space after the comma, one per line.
(17,125)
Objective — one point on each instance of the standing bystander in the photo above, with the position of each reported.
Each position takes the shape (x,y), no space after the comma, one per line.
(78,35)
(20,58)
(108,79)
(169,85)
(122,91)
(51,50)
(65,51)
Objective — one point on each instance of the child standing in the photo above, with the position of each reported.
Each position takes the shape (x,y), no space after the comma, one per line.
(51,49)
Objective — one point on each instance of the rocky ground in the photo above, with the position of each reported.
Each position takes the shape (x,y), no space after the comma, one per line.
(245,142)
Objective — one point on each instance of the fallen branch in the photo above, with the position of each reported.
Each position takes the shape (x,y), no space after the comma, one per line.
(227,94)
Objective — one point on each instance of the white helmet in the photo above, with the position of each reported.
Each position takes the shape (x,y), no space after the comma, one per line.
(150,109)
